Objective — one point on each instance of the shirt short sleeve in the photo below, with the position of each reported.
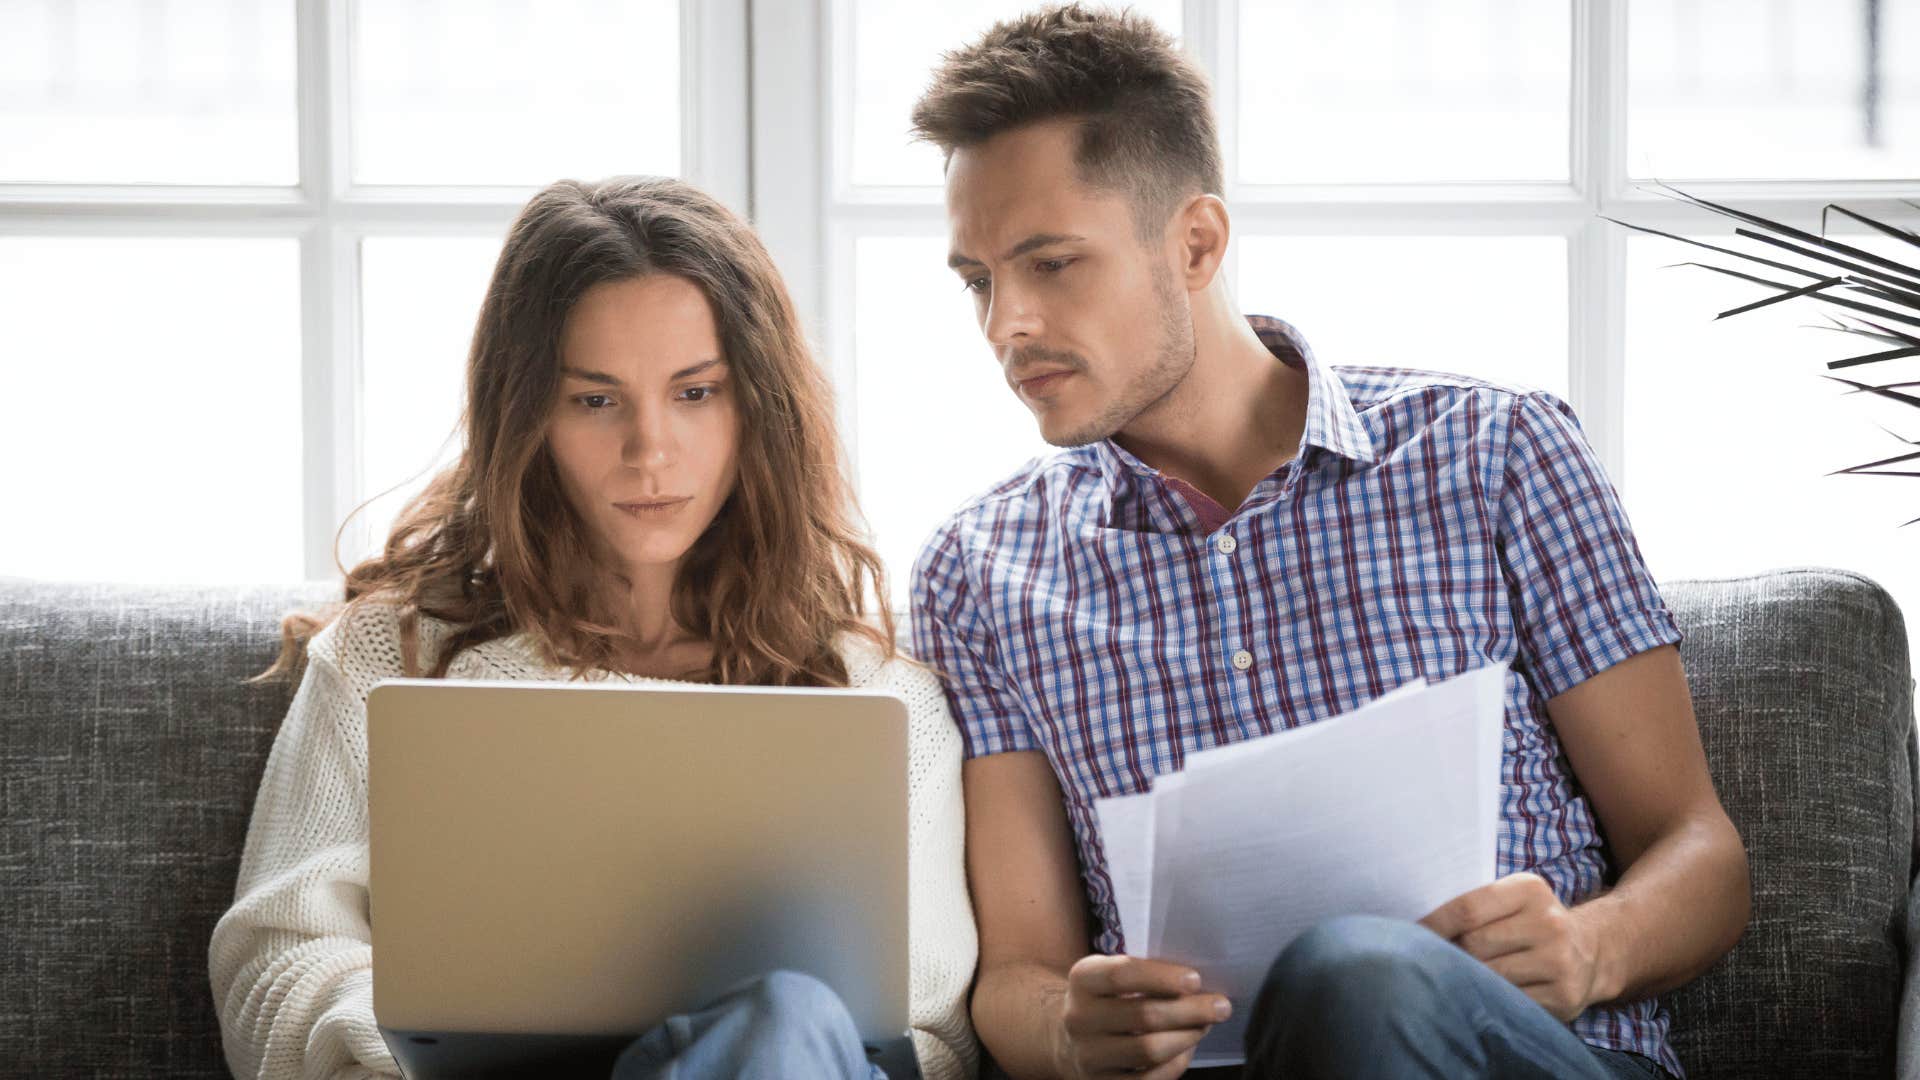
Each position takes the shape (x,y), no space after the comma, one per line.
(1582,597)
(953,634)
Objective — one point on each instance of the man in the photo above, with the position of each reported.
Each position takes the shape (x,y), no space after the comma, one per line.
(1242,540)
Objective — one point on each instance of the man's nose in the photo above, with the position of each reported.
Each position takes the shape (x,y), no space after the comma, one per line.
(1011,319)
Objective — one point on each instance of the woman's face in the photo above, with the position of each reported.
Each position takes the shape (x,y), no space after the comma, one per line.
(646,430)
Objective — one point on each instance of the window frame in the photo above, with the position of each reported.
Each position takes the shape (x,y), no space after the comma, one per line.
(814,218)
(330,215)
(765,128)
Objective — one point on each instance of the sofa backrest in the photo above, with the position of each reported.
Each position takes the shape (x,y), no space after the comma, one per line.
(1805,704)
(131,750)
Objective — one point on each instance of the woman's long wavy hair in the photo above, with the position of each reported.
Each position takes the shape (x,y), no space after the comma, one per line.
(492,545)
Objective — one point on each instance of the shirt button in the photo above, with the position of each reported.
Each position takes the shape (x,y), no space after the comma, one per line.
(1242,660)
(1226,543)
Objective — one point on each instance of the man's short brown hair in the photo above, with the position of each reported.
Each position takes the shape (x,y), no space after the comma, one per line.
(1145,109)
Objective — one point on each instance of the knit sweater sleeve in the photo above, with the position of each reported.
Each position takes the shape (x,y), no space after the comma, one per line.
(292,960)
(943,943)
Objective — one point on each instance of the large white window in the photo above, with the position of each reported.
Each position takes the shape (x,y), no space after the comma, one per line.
(1422,184)
(242,242)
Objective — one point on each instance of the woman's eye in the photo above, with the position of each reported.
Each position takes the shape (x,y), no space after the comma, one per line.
(697,394)
(594,402)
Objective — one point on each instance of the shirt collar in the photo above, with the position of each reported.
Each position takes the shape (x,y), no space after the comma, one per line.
(1332,423)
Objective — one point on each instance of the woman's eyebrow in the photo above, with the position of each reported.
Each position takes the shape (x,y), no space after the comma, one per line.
(611,380)
(687,373)
(589,376)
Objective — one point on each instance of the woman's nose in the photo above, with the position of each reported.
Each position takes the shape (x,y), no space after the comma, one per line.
(649,441)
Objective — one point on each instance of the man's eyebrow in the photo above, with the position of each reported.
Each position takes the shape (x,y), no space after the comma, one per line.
(1031,243)
(609,380)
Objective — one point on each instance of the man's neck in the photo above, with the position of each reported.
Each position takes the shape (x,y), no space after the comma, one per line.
(1236,417)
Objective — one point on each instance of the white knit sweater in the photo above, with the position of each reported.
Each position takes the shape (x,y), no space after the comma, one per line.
(291,961)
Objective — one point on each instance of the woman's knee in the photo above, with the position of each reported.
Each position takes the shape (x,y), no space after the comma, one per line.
(796,997)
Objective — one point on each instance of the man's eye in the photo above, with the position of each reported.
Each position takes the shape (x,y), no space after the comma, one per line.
(975,285)
(1052,266)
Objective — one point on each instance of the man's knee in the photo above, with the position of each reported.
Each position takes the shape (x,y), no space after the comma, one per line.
(1361,961)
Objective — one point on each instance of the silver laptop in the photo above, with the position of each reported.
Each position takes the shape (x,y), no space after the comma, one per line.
(558,867)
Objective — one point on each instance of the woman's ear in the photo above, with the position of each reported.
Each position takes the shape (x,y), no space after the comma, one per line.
(1203,228)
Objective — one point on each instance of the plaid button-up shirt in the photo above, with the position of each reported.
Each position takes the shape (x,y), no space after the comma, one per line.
(1088,609)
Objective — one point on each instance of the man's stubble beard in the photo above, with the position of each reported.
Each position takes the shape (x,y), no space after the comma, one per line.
(1173,359)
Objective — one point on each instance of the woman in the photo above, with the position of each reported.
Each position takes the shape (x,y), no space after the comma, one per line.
(650,489)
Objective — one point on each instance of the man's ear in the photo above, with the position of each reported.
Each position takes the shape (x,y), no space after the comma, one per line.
(1201,228)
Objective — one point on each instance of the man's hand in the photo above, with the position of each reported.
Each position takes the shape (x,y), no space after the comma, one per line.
(1521,930)
(1126,1016)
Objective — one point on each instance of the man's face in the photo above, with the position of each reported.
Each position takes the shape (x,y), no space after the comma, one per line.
(1090,325)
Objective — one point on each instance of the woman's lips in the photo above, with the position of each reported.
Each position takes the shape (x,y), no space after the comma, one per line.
(653,508)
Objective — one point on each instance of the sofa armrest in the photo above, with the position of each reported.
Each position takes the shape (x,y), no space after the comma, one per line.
(1906,1062)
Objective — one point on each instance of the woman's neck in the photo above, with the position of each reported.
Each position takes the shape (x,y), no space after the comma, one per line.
(660,646)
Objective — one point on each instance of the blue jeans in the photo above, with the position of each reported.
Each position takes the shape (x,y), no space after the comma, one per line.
(1361,997)
(783,1024)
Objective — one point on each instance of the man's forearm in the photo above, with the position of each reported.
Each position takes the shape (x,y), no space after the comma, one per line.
(1678,908)
(1017,1010)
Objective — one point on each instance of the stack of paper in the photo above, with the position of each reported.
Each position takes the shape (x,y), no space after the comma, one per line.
(1391,809)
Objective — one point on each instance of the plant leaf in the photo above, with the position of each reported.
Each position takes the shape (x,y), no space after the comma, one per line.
(1896,233)
(1790,268)
(1874,358)
(1885,292)
(1876,464)
(1788,295)
(1788,230)
(1888,331)
(1905,399)
(1842,301)
(1911,280)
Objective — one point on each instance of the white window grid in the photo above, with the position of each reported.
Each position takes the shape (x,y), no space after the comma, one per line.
(814,218)
(329,214)
(766,107)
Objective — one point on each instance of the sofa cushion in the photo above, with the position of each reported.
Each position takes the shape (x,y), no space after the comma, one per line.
(130,752)
(1805,704)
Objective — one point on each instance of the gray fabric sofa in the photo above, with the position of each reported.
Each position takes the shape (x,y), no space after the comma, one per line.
(130,752)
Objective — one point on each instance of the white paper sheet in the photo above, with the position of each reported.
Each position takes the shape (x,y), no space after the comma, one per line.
(1126,832)
(1391,809)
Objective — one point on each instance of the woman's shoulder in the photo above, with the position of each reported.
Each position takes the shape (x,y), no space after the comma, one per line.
(869,667)
(364,642)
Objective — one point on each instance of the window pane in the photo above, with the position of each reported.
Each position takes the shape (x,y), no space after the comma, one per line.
(1489,306)
(916,343)
(1788,89)
(896,46)
(1731,429)
(1391,92)
(421,297)
(139,91)
(152,414)
(508,92)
